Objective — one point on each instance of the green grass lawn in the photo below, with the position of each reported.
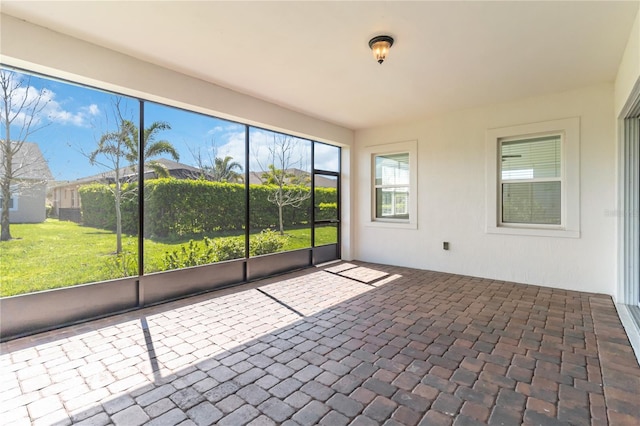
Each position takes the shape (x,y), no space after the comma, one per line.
(57,254)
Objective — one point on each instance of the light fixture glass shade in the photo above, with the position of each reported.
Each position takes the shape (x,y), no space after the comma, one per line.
(380,47)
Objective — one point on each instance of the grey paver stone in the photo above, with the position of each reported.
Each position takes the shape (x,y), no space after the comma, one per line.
(249,376)
(346,384)
(100,419)
(363,420)
(253,394)
(260,360)
(204,385)
(204,413)
(333,418)
(314,358)
(311,413)
(444,403)
(276,409)
(308,373)
(155,395)
(242,366)
(262,421)
(380,408)
(267,382)
(234,359)
(285,388)
(85,412)
(119,403)
(327,378)
(317,390)
(242,415)
(420,404)
(172,417)
(344,404)
(297,364)
(230,404)
(221,373)
(189,379)
(132,416)
(335,367)
(380,387)
(221,391)
(280,371)
(187,398)
(159,407)
(298,399)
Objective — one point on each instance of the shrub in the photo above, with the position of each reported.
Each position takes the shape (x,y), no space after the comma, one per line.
(229,248)
(211,251)
(327,211)
(267,241)
(99,210)
(183,207)
(121,265)
(191,254)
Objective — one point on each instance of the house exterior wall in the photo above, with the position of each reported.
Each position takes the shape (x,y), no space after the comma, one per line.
(31,207)
(452,194)
(64,197)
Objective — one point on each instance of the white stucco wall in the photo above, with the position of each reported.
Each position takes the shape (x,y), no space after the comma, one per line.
(31,202)
(452,197)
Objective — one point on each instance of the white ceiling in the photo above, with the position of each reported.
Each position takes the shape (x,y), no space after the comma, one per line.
(313,57)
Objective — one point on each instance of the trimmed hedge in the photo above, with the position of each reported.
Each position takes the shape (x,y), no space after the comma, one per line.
(99,210)
(178,207)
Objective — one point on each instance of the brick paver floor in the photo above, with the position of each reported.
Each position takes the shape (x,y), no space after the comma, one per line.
(351,343)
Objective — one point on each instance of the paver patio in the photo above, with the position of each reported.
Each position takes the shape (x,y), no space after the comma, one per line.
(349,343)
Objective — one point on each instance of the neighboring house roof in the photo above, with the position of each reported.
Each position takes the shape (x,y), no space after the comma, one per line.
(29,163)
(180,171)
(176,170)
(321,181)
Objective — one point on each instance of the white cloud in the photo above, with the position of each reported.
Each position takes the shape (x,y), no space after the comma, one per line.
(215,130)
(47,108)
(93,109)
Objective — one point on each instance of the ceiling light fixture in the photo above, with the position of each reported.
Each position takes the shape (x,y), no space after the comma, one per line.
(380,46)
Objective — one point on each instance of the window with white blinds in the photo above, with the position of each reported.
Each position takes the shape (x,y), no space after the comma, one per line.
(392,185)
(531,180)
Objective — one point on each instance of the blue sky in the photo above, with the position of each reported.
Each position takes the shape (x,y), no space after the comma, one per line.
(74,118)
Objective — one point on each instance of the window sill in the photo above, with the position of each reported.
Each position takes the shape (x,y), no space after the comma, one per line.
(533,232)
(391,224)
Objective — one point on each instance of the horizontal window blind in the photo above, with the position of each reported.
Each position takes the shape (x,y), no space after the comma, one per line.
(531,180)
(531,158)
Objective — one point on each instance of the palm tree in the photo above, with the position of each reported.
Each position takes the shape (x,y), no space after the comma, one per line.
(152,147)
(120,146)
(224,170)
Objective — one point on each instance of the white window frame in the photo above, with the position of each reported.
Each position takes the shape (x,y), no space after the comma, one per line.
(569,131)
(408,147)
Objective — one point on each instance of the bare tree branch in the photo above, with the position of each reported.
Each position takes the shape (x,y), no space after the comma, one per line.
(21,108)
